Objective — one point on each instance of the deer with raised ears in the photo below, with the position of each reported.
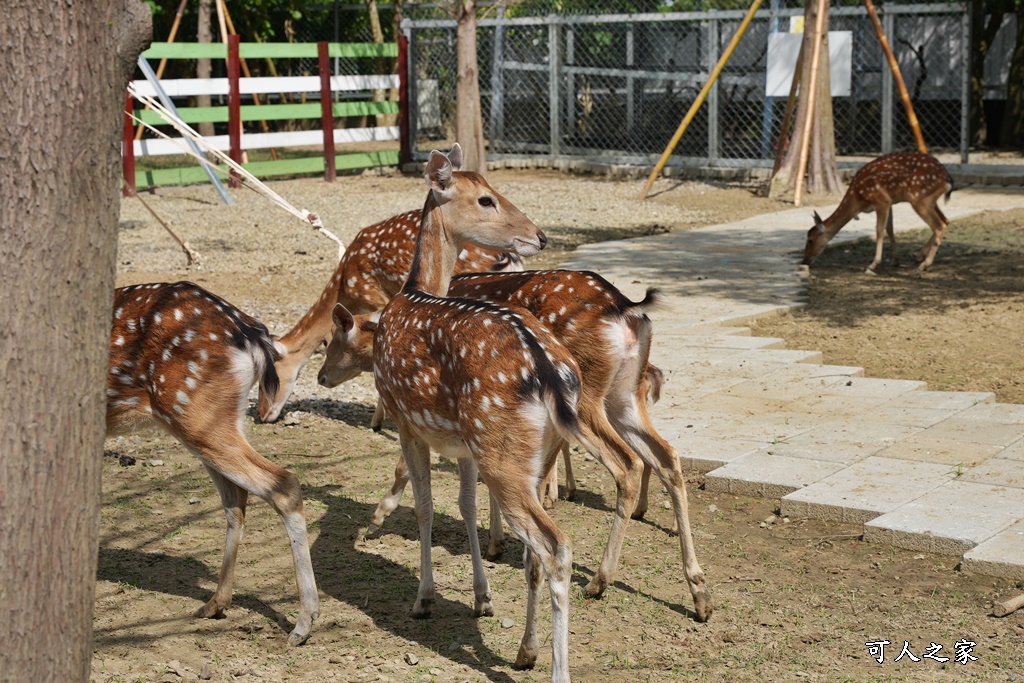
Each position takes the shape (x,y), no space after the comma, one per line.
(184,359)
(484,384)
(901,177)
(609,337)
(372,270)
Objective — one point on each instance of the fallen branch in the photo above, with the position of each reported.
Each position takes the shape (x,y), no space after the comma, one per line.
(1009,606)
(193,257)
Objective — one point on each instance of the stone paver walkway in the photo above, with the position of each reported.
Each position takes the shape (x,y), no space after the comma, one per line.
(926,470)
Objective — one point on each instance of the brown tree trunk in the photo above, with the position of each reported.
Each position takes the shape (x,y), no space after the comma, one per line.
(986,18)
(1013,125)
(821,161)
(377,32)
(61,119)
(204,67)
(469,127)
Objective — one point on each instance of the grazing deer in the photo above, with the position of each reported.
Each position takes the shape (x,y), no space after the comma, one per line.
(609,336)
(484,384)
(372,270)
(184,359)
(902,177)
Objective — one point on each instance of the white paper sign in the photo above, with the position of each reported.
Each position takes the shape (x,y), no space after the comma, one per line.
(783,50)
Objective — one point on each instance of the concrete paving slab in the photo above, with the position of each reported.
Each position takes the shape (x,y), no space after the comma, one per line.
(950,519)
(865,490)
(891,411)
(952,452)
(1002,413)
(962,428)
(997,472)
(845,442)
(876,388)
(1014,451)
(1001,555)
(722,341)
(945,400)
(703,454)
(768,476)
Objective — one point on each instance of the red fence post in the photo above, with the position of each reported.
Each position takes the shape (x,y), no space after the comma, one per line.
(128,150)
(234,105)
(404,143)
(327,111)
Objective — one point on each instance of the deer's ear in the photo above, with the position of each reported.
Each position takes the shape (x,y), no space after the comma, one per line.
(343,320)
(455,157)
(438,173)
(818,223)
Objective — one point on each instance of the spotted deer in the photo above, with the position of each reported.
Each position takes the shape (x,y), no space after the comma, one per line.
(901,177)
(184,359)
(372,270)
(609,336)
(487,385)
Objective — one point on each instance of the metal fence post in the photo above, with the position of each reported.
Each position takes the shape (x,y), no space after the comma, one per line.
(554,75)
(404,144)
(965,85)
(414,102)
(497,127)
(630,81)
(888,24)
(570,80)
(713,48)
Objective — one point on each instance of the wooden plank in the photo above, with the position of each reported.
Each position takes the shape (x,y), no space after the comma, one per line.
(271,50)
(363,50)
(310,165)
(274,112)
(296,138)
(189,87)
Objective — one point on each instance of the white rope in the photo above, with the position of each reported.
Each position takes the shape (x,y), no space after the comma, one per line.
(248,179)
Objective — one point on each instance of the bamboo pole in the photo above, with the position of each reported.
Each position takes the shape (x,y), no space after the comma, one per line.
(700,99)
(812,98)
(163,62)
(895,68)
(787,116)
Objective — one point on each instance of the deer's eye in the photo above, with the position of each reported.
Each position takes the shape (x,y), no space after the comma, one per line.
(486,201)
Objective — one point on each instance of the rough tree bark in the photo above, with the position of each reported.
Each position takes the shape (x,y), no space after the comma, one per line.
(204,67)
(64,78)
(469,127)
(821,162)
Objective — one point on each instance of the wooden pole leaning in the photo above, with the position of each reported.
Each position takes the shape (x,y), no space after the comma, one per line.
(695,107)
(898,76)
(812,97)
(163,62)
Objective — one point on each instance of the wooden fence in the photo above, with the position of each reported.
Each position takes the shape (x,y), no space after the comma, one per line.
(235,114)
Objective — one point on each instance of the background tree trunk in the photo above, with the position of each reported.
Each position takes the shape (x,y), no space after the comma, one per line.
(204,67)
(986,18)
(1013,125)
(61,117)
(821,160)
(469,128)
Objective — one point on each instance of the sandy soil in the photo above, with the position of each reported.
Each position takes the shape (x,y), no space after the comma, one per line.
(796,600)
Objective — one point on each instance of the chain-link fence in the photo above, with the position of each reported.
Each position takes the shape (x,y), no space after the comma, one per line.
(615,87)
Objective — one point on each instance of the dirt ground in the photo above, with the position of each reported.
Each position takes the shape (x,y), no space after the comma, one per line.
(796,600)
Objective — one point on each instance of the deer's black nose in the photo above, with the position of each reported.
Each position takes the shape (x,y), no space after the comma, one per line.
(542,238)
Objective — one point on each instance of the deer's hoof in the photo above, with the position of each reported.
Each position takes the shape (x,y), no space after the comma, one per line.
(526,657)
(421,609)
(210,610)
(596,588)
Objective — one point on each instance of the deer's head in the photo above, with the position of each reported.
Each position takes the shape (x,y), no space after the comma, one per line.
(817,238)
(350,351)
(472,211)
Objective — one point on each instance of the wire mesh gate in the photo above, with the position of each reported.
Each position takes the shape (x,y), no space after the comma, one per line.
(613,88)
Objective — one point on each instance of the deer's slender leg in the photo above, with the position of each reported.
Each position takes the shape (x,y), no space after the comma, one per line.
(234,499)
(882,212)
(417,460)
(467,507)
